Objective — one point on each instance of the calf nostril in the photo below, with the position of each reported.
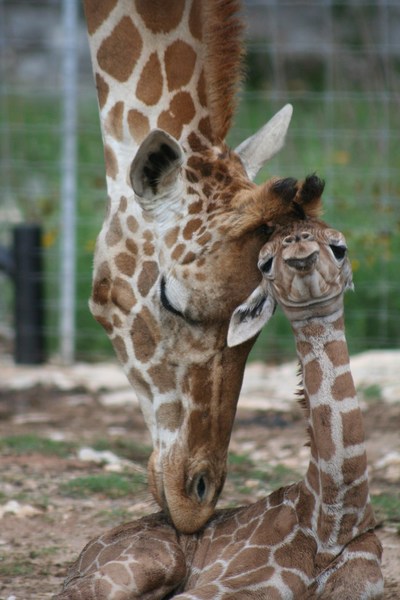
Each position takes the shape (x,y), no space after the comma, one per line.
(306,236)
(304,263)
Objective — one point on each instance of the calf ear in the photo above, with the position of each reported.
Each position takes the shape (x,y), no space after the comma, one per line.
(155,170)
(266,142)
(251,316)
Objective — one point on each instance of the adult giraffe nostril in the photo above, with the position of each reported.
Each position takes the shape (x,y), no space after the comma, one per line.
(199,487)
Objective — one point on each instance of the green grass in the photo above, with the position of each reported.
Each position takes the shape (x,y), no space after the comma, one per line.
(31,443)
(387,507)
(342,142)
(109,485)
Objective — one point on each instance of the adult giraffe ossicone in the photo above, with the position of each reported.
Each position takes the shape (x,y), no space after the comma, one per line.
(173,259)
(312,539)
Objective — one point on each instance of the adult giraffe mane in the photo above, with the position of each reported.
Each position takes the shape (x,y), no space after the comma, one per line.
(223,33)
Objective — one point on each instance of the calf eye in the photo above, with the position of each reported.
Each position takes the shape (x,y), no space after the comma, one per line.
(266,267)
(339,252)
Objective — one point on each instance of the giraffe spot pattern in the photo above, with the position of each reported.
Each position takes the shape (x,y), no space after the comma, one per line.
(326,526)
(114,232)
(179,61)
(354,468)
(160,16)
(163,376)
(170,415)
(110,161)
(113,123)
(312,377)
(117,572)
(102,90)
(337,353)
(139,125)
(132,223)
(145,335)
(125,263)
(343,387)
(295,583)
(123,204)
(178,251)
(202,90)
(322,425)
(120,348)
(357,495)
(105,323)
(150,84)
(131,246)
(123,295)
(119,52)
(97,12)
(195,25)
(102,284)
(147,278)
(301,545)
(180,112)
(171,236)
(352,427)
(139,383)
(190,228)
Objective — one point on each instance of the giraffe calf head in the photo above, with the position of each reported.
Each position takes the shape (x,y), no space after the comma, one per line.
(304,266)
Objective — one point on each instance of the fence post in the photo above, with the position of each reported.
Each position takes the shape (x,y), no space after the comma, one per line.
(28,292)
(68,183)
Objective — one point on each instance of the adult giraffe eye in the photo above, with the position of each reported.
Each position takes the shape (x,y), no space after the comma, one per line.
(165,302)
(339,251)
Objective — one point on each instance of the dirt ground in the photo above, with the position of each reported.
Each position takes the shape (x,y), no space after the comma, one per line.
(55,495)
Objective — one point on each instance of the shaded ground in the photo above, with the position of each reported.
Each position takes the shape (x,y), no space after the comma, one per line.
(54,497)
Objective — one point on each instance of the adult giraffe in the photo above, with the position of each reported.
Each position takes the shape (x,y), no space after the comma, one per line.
(176,256)
(311,539)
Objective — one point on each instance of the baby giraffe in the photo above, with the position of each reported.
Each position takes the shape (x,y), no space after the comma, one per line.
(312,539)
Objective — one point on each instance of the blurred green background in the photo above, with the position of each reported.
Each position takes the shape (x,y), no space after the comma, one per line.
(338,63)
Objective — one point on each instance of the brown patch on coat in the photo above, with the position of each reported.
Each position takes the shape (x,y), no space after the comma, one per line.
(163,376)
(145,335)
(148,276)
(190,228)
(179,113)
(150,84)
(102,90)
(125,263)
(353,429)
(138,124)
(120,348)
(179,60)
(97,12)
(114,232)
(110,161)
(170,415)
(160,16)
(102,284)
(122,295)
(132,223)
(113,123)
(195,20)
(312,377)
(322,427)
(337,353)
(119,52)
(343,387)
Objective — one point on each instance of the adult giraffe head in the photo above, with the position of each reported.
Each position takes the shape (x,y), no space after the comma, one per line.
(178,248)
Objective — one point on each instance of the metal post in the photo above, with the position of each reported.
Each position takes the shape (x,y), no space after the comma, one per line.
(68,183)
(28,279)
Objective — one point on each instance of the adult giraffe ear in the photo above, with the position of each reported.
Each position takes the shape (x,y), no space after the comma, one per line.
(251,316)
(266,142)
(155,170)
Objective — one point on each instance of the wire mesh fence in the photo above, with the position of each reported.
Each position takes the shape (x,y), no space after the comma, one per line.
(338,63)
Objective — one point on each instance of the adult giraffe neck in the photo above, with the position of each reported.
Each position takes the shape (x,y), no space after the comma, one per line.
(337,474)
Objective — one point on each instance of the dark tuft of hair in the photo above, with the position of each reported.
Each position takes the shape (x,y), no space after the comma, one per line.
(311,189)
(286,189)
